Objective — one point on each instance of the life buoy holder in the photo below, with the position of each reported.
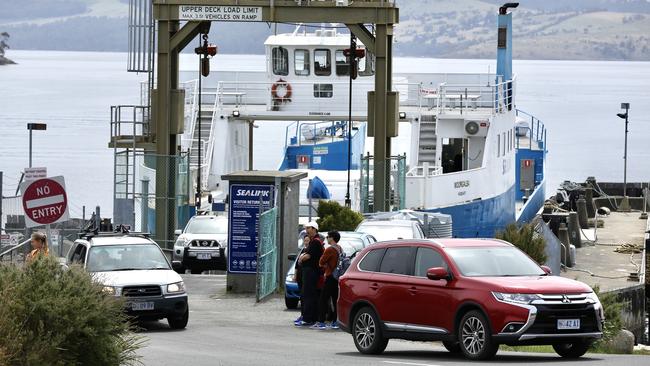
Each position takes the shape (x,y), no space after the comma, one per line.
(281,91)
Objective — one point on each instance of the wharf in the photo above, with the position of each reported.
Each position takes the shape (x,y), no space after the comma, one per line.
(596,261)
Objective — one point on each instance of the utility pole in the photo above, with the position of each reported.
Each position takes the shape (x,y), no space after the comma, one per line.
(625,203)
(1,172)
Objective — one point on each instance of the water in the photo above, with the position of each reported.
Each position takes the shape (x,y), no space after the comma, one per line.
(73,91)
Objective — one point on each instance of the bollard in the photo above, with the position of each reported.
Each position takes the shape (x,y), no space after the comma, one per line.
(582,212)
(574,230)
(589,197)
(563,235)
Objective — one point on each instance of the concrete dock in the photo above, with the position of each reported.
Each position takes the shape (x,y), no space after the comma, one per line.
(598,264)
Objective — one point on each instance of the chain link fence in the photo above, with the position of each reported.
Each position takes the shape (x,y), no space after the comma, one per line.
(396,187)
(267,255)
(139,198)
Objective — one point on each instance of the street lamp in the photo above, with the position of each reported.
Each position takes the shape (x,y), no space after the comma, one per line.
(625,204)
(31,127)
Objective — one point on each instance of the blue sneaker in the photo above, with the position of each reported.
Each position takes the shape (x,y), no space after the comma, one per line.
(334,325)
(319,326)
(297,321)
(303,323)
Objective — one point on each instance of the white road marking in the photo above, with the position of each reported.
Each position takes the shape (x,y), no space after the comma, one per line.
(409,363)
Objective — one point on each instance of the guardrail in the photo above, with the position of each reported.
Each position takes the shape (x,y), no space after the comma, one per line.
(11,251)
(499,97)
(537,130)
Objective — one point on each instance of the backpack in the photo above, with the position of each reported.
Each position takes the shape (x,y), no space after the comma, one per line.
(342,264)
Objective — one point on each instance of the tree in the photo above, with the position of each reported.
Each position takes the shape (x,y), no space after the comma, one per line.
(333,216)
(4,38)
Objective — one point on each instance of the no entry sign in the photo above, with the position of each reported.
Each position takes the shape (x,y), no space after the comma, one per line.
(44,201)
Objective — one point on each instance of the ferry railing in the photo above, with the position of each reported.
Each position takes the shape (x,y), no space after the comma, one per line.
(330,99)
(424,170)
(536,131)
(497,98)
(207,149)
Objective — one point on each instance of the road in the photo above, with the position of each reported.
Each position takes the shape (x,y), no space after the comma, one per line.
(229,330)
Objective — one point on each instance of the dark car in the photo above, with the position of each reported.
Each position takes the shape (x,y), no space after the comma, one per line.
(472,294)
(350,245)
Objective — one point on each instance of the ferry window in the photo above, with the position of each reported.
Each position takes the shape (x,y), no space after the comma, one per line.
(498,145)
(301,62)
(509,141)
(342,66)
(323,91)
(280,57)
(322,66)
(504,143)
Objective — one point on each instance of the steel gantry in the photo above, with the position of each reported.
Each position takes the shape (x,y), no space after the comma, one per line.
(179,21)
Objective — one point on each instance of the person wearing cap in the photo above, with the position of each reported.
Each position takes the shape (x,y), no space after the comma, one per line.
(310,273)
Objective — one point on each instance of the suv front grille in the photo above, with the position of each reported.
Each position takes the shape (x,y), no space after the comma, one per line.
(141,291)
(547,316)
(204,243)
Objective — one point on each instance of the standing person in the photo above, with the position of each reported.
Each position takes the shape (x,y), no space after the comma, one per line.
(330,292)
(310,273)
(39,243)
(297,278)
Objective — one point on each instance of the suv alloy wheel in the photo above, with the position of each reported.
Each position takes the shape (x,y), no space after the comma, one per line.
(475,337)
(367,333)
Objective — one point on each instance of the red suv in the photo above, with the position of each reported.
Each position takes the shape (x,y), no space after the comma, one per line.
(471,294)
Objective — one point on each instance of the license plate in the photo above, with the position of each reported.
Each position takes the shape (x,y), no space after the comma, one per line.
(203,256)
(138,306)
(568,324)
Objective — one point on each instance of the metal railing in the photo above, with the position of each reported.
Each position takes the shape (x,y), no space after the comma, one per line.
(424,170)
(12,250)
(498,98)
(315,132)
(536,131)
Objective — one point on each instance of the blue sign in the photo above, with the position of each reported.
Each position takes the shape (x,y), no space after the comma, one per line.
(243,224)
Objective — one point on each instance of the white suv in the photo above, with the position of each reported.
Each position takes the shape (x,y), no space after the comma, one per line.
(203,244)
(133,266)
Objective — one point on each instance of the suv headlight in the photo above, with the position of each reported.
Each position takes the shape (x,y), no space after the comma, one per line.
(289,278)
(597,305)
(182,241)
(109,290)
(515,298)
(174,288)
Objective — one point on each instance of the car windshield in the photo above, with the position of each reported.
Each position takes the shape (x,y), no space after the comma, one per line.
(353,243)
(348,249)
(107,258)
(387,232)
(207,226)
(493,262)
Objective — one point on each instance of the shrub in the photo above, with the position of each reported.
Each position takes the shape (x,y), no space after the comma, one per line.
(612,307)
(52,316)
(525,238)
(333,216)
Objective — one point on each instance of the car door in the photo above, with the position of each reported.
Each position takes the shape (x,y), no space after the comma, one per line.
(391,284)
(431,301)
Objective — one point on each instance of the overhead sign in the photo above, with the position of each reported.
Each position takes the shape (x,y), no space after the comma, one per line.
(35,173)
(247,201)
(44,201)
(220,13)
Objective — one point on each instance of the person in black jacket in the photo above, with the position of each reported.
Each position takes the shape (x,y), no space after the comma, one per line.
(310,274)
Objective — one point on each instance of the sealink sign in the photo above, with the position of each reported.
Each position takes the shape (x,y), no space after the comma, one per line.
(247,201)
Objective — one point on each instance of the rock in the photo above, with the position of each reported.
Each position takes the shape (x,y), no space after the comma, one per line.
(5,61)
(622,343)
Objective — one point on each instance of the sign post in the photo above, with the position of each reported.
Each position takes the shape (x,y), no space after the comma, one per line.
(45,202)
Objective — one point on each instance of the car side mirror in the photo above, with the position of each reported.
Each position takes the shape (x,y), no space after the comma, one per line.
(178,232)
(547,269)
(438,273)
(177,265)
(292,257)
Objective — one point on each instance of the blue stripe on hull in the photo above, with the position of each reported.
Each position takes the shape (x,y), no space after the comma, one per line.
(481,218)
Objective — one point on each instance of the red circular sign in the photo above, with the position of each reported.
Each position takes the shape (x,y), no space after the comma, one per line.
(45,201)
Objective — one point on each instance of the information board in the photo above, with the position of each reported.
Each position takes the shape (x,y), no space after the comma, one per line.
(247,201)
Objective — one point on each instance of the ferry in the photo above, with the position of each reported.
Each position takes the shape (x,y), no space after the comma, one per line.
(473,154)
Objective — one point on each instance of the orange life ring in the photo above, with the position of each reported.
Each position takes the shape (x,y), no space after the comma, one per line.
(279,86)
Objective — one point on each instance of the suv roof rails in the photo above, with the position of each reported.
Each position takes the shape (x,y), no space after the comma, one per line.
(119,231)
